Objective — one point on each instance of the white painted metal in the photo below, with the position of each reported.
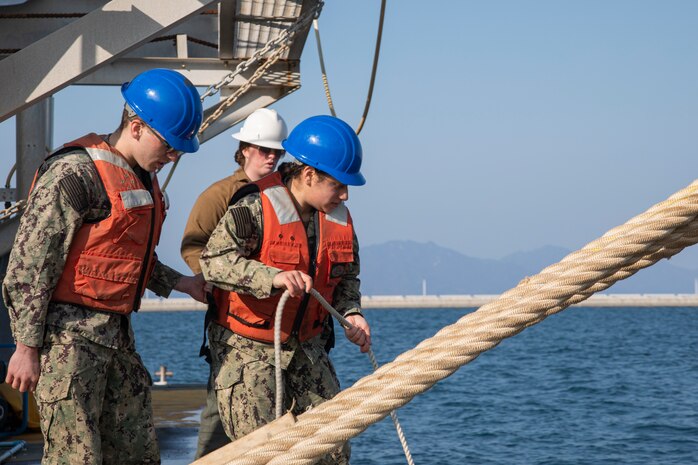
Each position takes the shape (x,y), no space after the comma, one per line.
(75,50)
(64,43)
(201,72)
(8,194)
(247,103)
(182,47)
(34,130)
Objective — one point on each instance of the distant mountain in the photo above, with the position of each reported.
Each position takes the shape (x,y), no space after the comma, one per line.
(400,267)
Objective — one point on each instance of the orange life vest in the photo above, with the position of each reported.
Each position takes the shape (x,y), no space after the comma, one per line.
(110,262)
(285,246)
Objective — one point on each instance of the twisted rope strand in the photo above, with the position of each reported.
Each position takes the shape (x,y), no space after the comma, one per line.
(660,232)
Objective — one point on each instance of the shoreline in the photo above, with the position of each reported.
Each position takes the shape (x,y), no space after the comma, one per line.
(454,301)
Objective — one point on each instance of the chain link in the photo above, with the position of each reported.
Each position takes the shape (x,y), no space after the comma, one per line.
(14,209)
(284,37)
(280,45)
(259,72)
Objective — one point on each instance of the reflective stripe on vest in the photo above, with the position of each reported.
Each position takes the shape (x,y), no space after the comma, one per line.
(285,246)
(110,261)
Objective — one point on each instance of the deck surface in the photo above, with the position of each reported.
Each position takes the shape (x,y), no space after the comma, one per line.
(176,410)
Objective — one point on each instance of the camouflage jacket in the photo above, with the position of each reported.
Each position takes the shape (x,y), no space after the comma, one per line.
(55,212)
(226,265)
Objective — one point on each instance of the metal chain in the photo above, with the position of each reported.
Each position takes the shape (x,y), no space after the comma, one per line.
(14,209)
(281,43)
(259,72)
(271,45)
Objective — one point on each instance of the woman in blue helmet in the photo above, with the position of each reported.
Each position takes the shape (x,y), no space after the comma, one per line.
(82,259)
(288,231)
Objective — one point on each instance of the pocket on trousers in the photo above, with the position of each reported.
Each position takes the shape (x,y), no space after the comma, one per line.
(50,390)
(227,376)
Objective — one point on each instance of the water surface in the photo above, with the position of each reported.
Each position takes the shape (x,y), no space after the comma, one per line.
(587,386)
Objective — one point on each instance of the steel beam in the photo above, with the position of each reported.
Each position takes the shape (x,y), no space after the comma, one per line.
(201,72)
(34,129)
(247,103)
(84,45)
(226,29)
(34,141)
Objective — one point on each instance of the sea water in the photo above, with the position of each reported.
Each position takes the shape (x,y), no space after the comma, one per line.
(587,386)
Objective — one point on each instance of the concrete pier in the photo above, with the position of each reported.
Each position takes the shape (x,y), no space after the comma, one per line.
(458,301)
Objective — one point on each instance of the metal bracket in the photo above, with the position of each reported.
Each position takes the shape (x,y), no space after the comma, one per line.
(8,194)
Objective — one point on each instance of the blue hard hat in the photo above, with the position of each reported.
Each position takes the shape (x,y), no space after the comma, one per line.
(330,145)
(169,103)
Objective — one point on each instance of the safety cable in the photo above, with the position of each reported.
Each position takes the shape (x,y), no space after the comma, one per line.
(279,373)
(9,210)
(9,175)
(374,69)
(325,83)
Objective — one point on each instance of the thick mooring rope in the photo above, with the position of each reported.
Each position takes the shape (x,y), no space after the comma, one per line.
(393,415)
(661,232)
(278,372)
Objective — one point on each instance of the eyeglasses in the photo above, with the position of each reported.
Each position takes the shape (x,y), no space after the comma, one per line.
(168,148)
(268,151)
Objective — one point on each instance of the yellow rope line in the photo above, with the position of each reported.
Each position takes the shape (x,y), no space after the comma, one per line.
(325,82)
(374,69)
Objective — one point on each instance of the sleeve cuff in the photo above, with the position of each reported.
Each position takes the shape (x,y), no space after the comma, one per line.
(163,280)
(353,311)
(32,336)
(265,279)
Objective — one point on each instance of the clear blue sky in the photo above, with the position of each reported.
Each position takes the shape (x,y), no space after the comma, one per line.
(495,126)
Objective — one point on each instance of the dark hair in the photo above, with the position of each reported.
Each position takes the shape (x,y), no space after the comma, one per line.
(124,119)
(291,170)
(239,157)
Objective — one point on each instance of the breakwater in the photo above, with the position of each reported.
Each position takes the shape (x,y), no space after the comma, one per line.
(458,301)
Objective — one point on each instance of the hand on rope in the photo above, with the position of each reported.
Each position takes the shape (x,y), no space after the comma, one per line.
(358,329)
(295,282)
(358,332)
(660,232)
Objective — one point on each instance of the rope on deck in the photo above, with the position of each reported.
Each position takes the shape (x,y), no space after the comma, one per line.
(661,232)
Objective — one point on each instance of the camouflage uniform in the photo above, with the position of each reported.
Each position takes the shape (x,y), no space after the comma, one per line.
(243,369)
(207,211)
(93,391)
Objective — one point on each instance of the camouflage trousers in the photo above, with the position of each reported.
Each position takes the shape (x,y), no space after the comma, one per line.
(245,386)
(212,436)
(95,405)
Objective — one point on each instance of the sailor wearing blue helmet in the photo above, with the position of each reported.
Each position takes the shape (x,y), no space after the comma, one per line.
(82,259)
(288,231)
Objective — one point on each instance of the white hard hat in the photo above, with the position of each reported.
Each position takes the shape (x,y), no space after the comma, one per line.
(264,127)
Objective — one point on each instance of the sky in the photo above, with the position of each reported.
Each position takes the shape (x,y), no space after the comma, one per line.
(495,127)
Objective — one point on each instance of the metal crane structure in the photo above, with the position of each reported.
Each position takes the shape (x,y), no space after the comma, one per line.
(46,46)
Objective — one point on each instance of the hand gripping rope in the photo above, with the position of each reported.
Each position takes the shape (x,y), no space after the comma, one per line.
(279,372)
